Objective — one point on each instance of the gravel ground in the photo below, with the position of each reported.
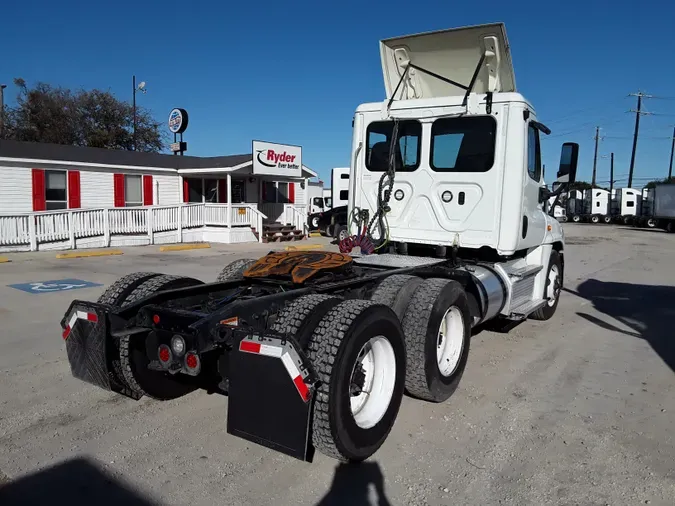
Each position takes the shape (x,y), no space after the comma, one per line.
(576,410)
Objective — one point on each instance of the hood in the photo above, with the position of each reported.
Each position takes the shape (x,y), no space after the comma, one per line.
(452,54)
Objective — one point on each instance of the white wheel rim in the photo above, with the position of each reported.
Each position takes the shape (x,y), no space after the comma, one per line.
(553,289)
(315,222)
(378,363)
(450,341)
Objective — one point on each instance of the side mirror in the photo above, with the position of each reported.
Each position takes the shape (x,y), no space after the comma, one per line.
(569,156)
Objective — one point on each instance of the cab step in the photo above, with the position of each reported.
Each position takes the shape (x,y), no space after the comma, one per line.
(523,311)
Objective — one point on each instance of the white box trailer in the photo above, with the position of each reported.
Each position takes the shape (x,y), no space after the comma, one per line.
(339,186)
(664,206)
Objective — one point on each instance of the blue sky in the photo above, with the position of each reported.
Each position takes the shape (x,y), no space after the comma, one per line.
(293,72)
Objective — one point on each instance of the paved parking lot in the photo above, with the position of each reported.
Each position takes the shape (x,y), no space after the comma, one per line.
(577,410)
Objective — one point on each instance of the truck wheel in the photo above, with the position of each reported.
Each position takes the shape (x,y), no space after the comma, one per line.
(341,232)
(551,289)
(576,218)
(651,223)
(595,219)
(563,219)
(358,352)
(115,295)
(437,326)
(234,271)
(315,222)
(395,292)
(607,219)
(134,357)
(670,228)
(300,317)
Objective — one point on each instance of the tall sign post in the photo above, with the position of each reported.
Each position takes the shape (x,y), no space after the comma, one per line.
(178,123)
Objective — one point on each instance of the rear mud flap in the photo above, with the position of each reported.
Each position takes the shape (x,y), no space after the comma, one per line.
(92,352)
(271,393)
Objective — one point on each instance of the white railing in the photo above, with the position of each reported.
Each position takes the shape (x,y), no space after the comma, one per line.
(30,229)
(296,216)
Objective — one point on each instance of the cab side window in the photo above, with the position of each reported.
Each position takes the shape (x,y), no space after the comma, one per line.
(533,154)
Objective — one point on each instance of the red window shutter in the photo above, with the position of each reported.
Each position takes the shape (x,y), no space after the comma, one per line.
(118,186)
(74,200)
(39,203)
(222,191)
(186,191)
(291,193)
(147,190)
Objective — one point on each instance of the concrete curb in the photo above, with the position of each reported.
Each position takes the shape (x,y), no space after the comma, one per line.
(183,247)
(85,254)
(305,247)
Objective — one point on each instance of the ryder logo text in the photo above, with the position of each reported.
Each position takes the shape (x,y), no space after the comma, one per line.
(271,158)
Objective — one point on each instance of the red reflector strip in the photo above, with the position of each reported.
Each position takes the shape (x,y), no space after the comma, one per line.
(293,371)
(78,315)
(303,390)
(249,346)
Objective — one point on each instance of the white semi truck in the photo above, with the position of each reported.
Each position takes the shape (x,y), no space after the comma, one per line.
(315,349)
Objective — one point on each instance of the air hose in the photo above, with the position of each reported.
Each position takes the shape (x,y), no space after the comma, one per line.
(364,239)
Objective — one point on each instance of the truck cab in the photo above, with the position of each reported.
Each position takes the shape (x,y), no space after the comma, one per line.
(467,169)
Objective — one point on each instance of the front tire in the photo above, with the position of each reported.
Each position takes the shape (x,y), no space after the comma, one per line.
(358,351)
(437,326)
(552,288)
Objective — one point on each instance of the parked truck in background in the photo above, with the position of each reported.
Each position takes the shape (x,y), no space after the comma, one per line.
(663,205)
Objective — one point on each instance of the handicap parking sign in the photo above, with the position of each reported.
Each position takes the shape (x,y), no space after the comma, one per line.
(58,285)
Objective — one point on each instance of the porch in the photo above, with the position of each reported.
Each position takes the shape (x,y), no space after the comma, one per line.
(139,226)
(282,200)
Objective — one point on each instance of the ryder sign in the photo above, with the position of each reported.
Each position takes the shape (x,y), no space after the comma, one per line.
(271,159)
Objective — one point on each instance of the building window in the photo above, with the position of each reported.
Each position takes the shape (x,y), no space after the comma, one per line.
(211,190)
(275,193)
(194,190)
(133,191)
(407,148)
(463,144)
(56,190)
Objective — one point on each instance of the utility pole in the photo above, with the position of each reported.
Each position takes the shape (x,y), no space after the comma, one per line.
(595,155)
(638,112)
(611,175)
(2,110)
(672,150)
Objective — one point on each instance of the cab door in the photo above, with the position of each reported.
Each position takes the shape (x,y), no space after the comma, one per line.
(533,222)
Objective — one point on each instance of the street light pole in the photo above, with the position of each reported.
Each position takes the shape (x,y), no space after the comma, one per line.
(2,109)
(134,107)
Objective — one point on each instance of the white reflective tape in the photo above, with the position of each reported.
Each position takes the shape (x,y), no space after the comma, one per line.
(270,351)
(290,366)
(73,319)
(82,315)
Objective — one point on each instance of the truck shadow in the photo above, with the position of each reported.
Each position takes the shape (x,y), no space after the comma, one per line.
(356,485)
(76,482)
(647,310)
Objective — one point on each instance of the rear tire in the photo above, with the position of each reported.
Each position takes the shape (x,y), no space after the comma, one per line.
(346,425)
(607,219)
(595,219)
(300,317)
(576,218)
(553,276)
(395,292)
(134,358)
(234,271)
(437,326)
